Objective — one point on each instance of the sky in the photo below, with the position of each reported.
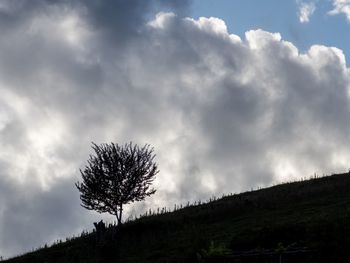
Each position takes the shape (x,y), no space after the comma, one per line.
(232,95)
(304,23)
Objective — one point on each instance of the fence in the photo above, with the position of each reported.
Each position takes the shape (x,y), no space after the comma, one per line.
(267,256)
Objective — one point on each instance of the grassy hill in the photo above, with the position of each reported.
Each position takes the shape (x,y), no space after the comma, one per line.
(306,221)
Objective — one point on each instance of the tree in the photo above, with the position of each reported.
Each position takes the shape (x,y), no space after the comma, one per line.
(115,176)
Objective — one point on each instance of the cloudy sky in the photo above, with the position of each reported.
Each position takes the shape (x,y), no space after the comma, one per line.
(233,95)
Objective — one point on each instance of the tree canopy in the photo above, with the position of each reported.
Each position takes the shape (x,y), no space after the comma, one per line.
(116,175)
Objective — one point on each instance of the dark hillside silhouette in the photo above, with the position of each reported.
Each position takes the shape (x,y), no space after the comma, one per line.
(305,222)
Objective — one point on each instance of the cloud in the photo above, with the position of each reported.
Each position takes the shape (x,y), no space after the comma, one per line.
(341,7)
(27,217)
(224,113)
(306,9)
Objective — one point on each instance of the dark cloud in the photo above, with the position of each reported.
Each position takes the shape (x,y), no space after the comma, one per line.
(32,218)
(223,114)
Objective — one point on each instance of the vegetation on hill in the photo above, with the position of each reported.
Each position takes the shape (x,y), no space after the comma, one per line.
(306,221)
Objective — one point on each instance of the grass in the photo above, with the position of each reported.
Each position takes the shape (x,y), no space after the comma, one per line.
(312,214)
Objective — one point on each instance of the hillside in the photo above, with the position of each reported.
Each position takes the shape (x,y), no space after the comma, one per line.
(311,217)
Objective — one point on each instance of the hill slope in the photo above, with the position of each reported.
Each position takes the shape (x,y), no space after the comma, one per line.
(313,215)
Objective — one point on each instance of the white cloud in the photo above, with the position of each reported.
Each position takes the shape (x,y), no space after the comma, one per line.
(341,7)
(306,9)
(224,114)
(260,39)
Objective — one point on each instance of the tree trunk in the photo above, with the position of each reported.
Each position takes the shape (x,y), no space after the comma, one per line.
(119,214)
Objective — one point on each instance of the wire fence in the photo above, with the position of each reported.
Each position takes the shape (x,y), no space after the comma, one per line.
(273,256)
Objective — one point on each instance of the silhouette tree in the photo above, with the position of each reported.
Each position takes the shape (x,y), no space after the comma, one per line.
(115,176)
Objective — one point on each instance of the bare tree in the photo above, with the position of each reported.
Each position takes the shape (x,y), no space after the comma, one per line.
(115,176)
